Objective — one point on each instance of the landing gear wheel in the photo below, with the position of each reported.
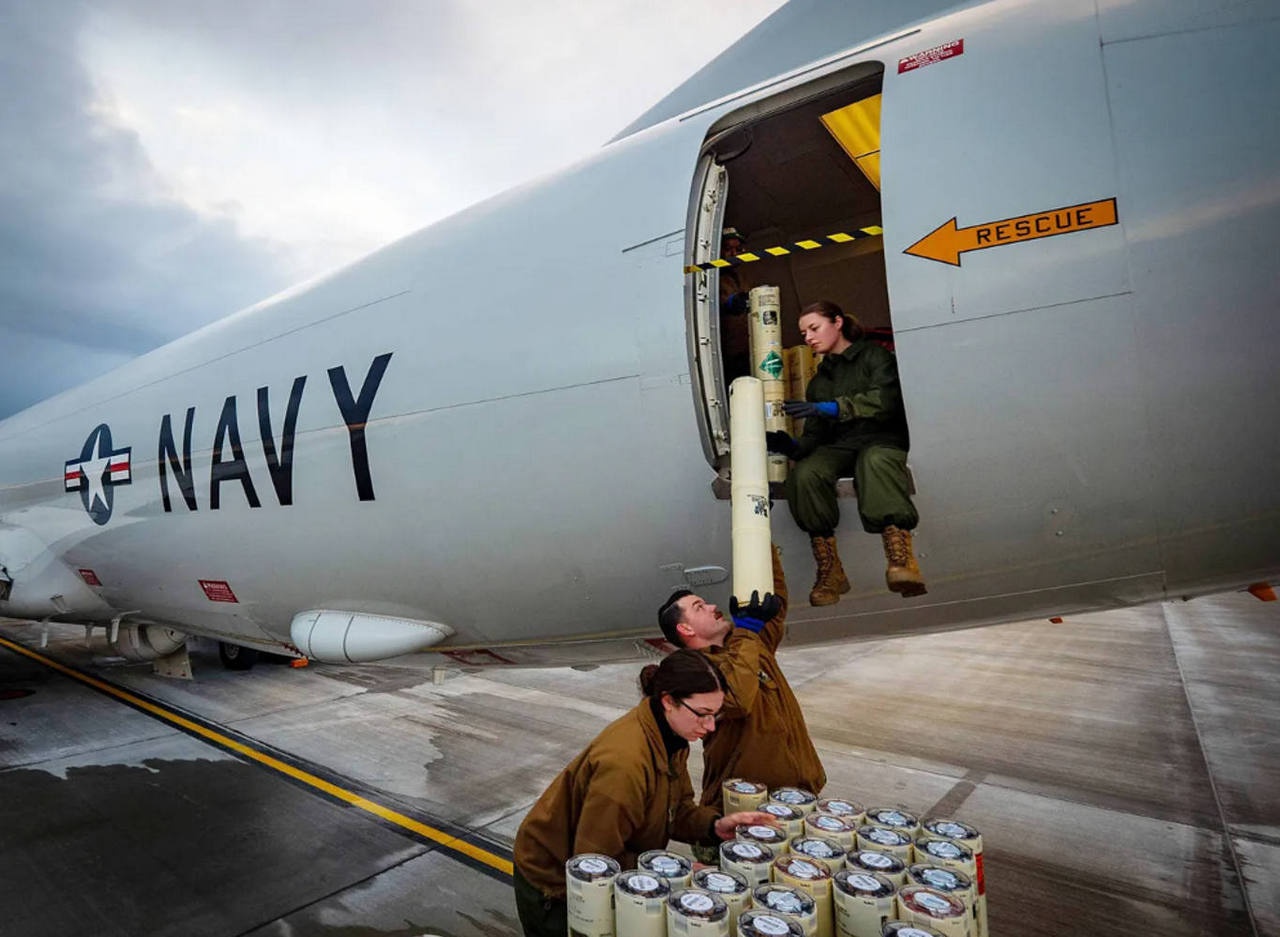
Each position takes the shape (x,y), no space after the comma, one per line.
(235,657)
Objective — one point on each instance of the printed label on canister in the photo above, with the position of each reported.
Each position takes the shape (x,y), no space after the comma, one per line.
(764,924)
(795,796)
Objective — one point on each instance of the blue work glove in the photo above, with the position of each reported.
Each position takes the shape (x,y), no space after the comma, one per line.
(755,613)
(734,305)
(803,409)
(777,441)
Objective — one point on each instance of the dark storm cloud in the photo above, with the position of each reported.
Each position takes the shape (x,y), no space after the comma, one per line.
(97,263)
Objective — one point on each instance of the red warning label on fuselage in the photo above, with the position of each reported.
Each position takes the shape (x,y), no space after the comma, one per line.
(948,50)
(216,590)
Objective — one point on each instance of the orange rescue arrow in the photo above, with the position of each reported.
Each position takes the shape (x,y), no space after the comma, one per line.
(947,242)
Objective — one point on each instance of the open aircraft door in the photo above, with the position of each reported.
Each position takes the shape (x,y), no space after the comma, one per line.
(1007,274)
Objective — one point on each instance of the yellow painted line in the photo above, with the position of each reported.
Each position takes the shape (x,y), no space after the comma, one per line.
(355,800)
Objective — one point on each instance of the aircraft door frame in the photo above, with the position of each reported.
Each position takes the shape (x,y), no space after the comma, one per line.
(702,296)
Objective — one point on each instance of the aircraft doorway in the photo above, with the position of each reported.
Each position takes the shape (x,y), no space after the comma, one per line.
(797,179)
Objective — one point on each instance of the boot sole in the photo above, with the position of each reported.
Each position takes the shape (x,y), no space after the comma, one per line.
(908,590)
(819,604)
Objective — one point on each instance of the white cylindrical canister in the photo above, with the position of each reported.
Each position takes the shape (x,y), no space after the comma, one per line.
(732,887)
(885,839)
(762,835)
(740,794)
(841,828)
(820,849)
(790,819)
(640,904)
(920,904)
(589,894)
(695,912)
(949,881)
(750,860)
(798,797)
(749,490)
(907,929)
(934,850)
(842,807)
(788,902)
(970,838)
(768,365)
(882,863)
(896,818)
(812,876)
(863,903)
(765,923)
(675,868)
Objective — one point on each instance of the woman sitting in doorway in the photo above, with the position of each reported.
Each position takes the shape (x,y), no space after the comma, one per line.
(854,422)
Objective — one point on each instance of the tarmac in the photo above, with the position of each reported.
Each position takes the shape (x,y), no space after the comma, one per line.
(1123,768)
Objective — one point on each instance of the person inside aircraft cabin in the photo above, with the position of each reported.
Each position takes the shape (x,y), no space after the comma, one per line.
(762,734)
(625,793)
(735,337)
(854,423)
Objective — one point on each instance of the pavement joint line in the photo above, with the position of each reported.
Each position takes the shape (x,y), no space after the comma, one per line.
(1242,882)
(192,727)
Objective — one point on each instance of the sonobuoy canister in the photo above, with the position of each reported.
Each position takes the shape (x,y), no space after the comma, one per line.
(675,868)
(762,922)
(789,902)
(886,839)
(798,797)
(769,836)
(863,901)
(950,881)
(589,894)
(965,835)
(934,850)
(789,818)
(640,901)
(842,807)
(732,887)
(921,904)
(882,863)
(812,876)
(695,912)
(820,849)
(750,860)
(894,817)
(738,794)
(842,829)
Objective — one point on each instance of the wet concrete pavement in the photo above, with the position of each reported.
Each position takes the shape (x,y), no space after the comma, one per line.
(1123,767)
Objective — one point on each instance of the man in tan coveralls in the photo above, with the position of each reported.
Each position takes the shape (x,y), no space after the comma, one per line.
(761,735)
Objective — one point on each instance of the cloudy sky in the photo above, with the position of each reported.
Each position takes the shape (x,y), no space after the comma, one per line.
(166,162)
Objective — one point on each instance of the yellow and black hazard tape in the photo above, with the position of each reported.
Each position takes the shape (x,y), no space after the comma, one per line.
(809,244)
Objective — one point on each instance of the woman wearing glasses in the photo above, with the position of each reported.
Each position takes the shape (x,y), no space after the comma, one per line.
(626,792)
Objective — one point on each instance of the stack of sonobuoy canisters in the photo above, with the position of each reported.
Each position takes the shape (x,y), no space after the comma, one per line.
(828,868)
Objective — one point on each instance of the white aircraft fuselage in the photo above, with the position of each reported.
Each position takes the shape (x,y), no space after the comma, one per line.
(504,429)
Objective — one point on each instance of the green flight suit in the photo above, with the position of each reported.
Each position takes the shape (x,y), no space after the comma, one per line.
(869,440)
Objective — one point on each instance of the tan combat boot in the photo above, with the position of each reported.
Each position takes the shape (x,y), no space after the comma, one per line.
(831,582)
(903,575)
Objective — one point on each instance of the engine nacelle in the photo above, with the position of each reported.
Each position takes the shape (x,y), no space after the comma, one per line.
(147,642)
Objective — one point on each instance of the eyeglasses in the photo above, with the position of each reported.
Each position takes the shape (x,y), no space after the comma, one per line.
(702,717)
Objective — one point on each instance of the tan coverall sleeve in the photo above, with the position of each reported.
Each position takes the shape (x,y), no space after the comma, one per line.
(692,822)
(613,809)
(740,662)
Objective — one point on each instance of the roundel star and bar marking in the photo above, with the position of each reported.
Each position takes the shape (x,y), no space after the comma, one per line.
(96,473)
(948,241)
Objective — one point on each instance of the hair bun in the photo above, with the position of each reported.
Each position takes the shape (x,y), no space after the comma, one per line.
(647,676)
